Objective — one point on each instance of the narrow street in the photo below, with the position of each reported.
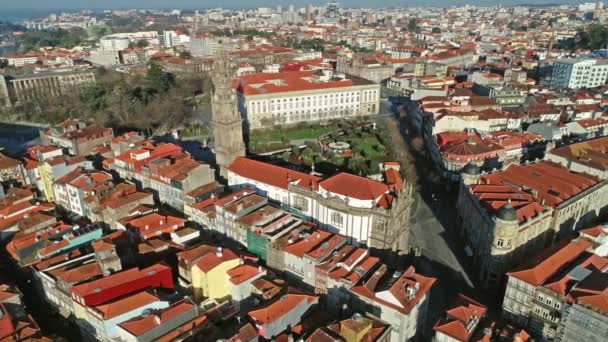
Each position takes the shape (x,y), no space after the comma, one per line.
(434,231)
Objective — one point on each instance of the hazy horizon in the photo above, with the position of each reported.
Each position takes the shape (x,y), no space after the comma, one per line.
(45,5)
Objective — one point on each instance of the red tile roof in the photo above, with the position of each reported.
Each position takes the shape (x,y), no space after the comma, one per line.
(126,304)
(268,83)
(308,243)
(213,259)
(243,273)
(139,325)
(113,286)
(397,285)
(353,186)
(461,318)
(272,174)
(543,266)
(150,225)
(494,197)
(280,308)
(554,183)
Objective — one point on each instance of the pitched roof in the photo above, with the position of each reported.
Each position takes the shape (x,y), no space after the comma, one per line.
(139,325)
(125,304)
(281,308)
(553,182)
(243,273)
(540,268)
(394,289)
(213,259)
(353,186)
(271,174)
(461,318)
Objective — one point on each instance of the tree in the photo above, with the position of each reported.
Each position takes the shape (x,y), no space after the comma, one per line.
(142,43)
(157,80)
(185,55)
(412,25)
(593,38)
(285,156)
(436,30)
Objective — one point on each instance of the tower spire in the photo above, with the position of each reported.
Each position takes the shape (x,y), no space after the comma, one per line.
(226,119)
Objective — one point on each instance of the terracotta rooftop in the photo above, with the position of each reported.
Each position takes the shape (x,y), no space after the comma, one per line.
(215,258)
(554,183)
(268,83)
(139,325)
(272,174)
(546,264)
(280,308)
(243,273)
(125,304)
(353,186)
(399,291)
(461,318)
(592,153)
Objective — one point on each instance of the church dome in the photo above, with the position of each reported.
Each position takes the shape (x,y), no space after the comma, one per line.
(507,213)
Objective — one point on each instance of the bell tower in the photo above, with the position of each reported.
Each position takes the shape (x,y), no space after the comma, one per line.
(226,119)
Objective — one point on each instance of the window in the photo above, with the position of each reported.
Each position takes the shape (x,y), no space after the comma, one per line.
(337,219)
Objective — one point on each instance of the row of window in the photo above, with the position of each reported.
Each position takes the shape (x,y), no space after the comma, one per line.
(314,101)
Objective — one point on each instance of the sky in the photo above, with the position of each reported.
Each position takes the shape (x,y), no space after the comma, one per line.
(191,4)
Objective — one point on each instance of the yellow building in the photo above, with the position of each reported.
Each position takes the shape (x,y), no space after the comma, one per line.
(210,277)
(54,168)
(46,176)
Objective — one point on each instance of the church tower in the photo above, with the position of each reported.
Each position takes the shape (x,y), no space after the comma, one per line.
(226,119)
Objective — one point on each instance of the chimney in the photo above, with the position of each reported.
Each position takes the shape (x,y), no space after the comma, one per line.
(157,319)
(219,252)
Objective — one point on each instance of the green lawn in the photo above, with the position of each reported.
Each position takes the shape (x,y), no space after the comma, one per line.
(289,134)
(367,144)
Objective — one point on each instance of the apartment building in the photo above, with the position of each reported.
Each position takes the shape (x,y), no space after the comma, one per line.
(399,298)
(283,314)
(11,170)
(545,290)
(77,138)
(508,215)
(579,73)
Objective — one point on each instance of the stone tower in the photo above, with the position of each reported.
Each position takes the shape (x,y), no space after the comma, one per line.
(226,119)
(196,21)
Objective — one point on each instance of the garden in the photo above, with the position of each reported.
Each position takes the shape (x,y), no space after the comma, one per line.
(357,148)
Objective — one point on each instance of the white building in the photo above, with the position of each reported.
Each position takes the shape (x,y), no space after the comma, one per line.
(203,45)
(579,73)
(304,96)
(105,58)
(400,299)
(353,206)
(114,43)
(21,60)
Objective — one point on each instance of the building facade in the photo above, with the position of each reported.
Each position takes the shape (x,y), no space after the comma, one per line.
(579,73)
(304,96)
(226,119)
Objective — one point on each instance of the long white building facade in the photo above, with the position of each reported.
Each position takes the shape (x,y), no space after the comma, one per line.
(267,99)
(579,73)
(367,212)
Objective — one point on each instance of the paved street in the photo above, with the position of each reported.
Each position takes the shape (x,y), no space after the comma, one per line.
(434,232)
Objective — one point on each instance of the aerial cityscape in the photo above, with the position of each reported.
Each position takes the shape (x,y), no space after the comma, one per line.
(348,171)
